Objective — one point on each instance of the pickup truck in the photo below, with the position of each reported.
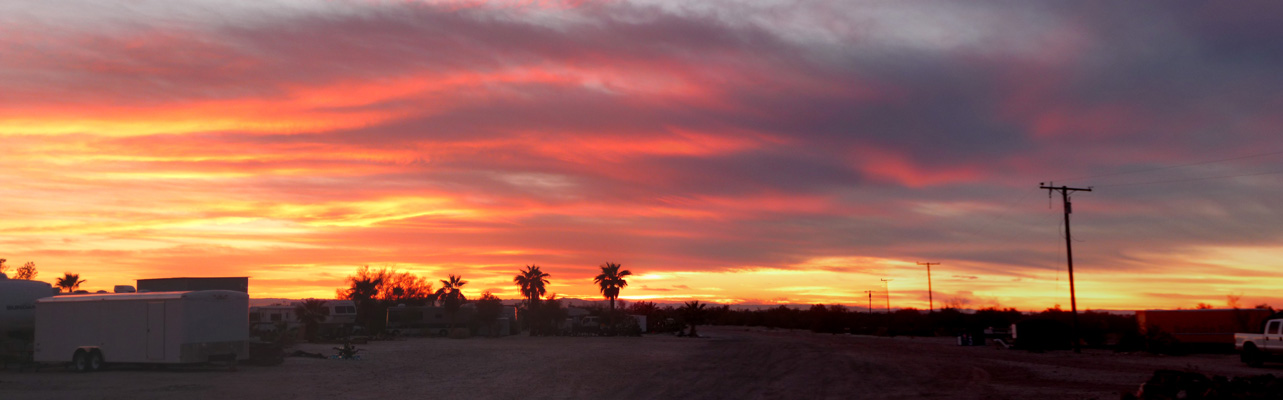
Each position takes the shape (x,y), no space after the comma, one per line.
(1257,348)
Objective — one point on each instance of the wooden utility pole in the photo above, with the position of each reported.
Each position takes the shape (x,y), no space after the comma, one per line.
(1069,251)
(886,285)
(931,303)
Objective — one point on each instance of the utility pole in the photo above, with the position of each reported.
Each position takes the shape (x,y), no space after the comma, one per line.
(886,285)
(870,293)
(931,303)
(1069,251)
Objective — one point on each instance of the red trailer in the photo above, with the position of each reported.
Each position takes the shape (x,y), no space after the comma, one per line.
(1203,326)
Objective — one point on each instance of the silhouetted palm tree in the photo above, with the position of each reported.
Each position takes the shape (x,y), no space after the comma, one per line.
(363,290)
(451,296)
(310,313)
(610,281)
(70,282)
(450,288)
(532,282)
(693,314)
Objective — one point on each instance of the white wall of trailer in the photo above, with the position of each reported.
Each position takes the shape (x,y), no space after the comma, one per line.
(158,327)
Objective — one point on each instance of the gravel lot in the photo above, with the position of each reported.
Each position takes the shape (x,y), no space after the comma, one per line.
(732,363)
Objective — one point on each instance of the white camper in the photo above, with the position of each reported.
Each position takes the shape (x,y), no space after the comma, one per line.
(18,303)
(18,316)
(156,327)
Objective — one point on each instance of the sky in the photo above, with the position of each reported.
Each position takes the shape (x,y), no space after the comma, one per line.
(733,151)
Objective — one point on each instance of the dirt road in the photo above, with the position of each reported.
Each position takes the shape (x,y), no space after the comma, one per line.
(733,363)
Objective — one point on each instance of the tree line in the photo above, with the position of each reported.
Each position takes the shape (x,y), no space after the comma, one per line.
(69,282)
(373,291)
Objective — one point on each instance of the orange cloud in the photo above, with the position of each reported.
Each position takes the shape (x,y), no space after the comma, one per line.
(900,169)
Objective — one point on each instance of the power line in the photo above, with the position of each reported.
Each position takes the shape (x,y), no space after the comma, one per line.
(1194,179)
(986,225)
(1172,167)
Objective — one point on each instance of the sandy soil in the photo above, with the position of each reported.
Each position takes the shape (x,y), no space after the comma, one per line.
(733,363)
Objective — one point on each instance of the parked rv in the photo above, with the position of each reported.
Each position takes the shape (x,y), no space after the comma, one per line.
(264,317)
(155,328)
(18,303)
(342,312)
(580,322)
(427,320)
(18,316)
(339,318)
(436,321)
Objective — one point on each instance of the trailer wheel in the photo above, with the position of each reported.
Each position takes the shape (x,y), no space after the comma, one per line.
(80,361)
(96,362)
(1252,356)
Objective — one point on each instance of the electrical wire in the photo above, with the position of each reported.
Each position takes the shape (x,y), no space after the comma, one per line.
(1175,166)
(1192,179)
(986,225)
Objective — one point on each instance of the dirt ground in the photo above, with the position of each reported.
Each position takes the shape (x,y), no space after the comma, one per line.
(731,363)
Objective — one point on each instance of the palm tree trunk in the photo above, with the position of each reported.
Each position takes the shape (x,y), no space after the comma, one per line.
(531,319)
(611,320)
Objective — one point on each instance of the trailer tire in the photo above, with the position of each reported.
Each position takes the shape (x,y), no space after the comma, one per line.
(96,362)
(80,361)
(1252,356)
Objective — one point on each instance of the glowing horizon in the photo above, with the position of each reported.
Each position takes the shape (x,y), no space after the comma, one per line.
(732,151)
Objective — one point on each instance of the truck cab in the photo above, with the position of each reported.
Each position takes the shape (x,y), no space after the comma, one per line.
(1257,348)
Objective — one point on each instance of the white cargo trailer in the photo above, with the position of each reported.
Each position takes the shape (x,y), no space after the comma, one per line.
(157,328)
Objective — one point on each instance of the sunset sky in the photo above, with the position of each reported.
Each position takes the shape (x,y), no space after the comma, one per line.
(736,151)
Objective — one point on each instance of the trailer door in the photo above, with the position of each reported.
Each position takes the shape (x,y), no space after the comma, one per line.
(156,330)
